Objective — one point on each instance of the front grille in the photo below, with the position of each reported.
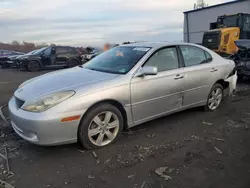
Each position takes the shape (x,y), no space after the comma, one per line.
(19,102)
(211,39)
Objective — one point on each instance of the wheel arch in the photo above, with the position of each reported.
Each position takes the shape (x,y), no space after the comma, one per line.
(113,102)
(37,60)
(222,82)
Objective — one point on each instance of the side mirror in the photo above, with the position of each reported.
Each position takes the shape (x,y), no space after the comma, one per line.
(147,70)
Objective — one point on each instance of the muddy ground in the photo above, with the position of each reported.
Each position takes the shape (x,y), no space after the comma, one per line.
(196,149)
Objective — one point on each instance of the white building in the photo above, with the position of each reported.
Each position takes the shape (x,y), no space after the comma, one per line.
(196,22)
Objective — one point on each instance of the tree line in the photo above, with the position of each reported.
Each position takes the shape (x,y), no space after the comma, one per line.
(26,47)
(21,46)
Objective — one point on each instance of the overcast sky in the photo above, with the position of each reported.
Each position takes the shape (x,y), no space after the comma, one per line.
(85,22)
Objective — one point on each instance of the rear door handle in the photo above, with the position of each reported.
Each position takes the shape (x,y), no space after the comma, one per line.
(214,70)
(178,76)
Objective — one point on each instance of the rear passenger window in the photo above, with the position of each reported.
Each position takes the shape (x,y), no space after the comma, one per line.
(194,56)
(61,50)
(164,59)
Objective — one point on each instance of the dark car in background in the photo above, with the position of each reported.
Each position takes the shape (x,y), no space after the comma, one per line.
(242,58)
(52,56)
(7,58)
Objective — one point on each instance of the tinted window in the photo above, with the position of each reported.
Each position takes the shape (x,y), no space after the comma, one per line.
(246,20)
(61,50)
(164,59)
(230,21)
(119,60)
(47,52)
(72,50)
(193,55)
(38,52)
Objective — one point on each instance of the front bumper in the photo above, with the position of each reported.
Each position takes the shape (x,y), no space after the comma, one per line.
(43,128)
(24,63)
(232,80)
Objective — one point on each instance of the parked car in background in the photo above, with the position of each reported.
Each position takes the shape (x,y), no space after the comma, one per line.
(6,53)
(91,53)
(52,56)
(123,87)
(242,58)
(7,57)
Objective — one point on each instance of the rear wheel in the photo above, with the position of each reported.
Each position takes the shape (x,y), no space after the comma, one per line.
(34,66)
(100,127)
(215,98)
(72,63)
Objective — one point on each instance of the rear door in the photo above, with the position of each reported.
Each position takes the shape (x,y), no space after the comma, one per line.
(200,74)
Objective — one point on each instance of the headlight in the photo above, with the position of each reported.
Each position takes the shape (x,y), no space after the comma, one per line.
(47,101)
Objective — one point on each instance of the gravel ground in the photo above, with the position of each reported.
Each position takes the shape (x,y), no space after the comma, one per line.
(187,149)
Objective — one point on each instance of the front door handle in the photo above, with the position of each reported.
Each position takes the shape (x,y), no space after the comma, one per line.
(178,76)
(214,70)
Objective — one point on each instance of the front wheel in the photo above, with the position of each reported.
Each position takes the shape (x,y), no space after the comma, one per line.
(34,66)
(100,126)
(215,98)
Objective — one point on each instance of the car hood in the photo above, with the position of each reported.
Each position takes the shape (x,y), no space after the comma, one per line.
(70,79)
(28,56)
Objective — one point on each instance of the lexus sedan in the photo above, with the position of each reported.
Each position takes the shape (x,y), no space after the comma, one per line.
(121,88)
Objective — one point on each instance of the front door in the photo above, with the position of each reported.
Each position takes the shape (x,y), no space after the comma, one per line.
(61,55)
(200,75)
(152,96)
(46,57)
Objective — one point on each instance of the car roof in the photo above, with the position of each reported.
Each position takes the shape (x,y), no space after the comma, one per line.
(156,44)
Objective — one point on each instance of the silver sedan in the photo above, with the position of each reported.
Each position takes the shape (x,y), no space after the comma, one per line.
(121,88)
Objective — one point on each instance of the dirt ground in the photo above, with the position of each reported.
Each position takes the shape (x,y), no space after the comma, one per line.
(190,149)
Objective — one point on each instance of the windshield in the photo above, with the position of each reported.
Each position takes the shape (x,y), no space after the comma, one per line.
(119,60)
(37,52)
(31,52)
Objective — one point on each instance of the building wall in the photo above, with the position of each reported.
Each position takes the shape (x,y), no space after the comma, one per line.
(199,21)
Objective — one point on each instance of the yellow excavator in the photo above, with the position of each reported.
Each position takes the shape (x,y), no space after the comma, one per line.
(225,31)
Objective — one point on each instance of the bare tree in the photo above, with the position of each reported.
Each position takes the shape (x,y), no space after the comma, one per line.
(200,4)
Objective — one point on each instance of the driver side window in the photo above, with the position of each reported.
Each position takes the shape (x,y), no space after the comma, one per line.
(47,52)
(164,59)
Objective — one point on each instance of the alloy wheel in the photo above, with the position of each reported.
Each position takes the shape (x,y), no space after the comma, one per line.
(103,128)
(215,98)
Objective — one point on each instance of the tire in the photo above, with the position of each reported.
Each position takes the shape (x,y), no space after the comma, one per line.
(215,97)
(89,132)
(73,63)
(34,66)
